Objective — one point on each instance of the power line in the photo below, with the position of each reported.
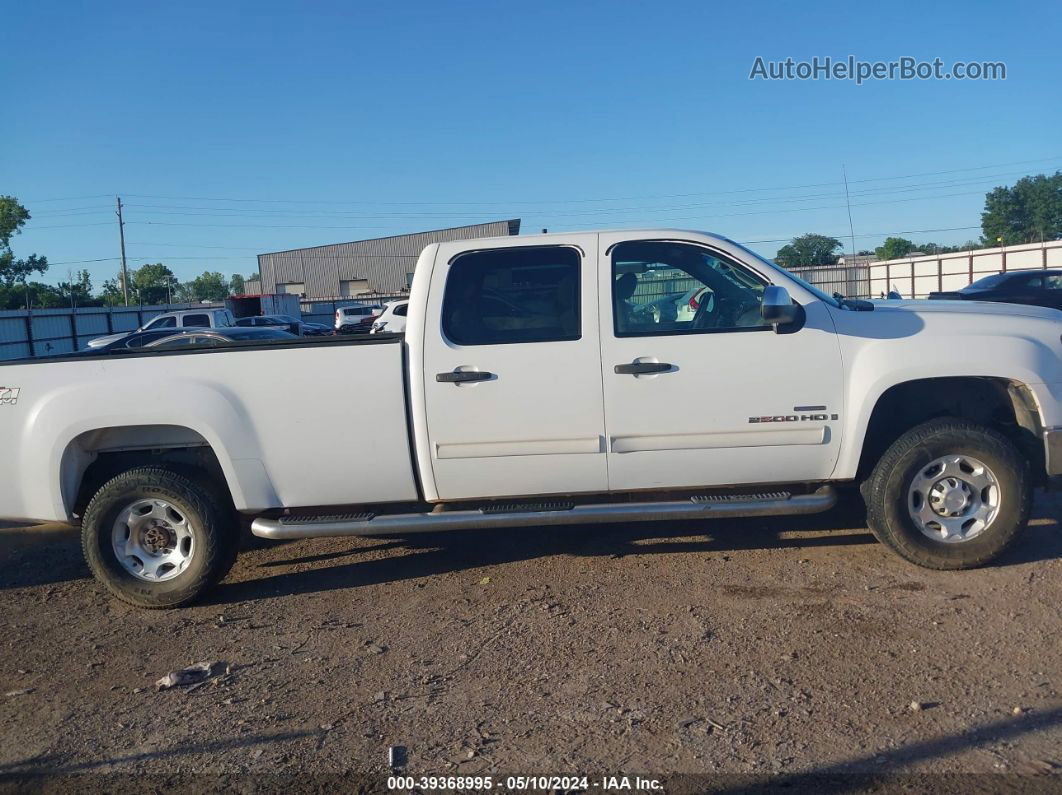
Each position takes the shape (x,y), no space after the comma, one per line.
(585,200)
(73,226)
(414,256)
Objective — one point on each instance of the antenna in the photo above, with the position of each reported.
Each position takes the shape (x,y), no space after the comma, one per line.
(851,228)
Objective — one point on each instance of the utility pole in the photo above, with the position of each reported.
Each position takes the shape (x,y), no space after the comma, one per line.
(847,201)
(121,237)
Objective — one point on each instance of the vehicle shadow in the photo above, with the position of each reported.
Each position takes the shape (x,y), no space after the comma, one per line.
(38,770)
(884,771)
(434,553)
(40,555)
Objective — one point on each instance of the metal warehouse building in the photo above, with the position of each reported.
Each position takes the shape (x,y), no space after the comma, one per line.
(343,270)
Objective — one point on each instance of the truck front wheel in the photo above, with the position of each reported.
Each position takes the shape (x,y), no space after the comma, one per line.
(949,494)
(155,537)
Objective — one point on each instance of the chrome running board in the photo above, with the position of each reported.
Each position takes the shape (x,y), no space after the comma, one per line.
(700,507)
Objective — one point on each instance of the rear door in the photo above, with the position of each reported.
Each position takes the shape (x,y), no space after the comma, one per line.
(511,378)
(699,391)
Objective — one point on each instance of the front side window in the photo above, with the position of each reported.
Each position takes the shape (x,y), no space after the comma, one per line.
(664,287)
(1053,281)
(513,295)
(162,322)
(195,321)
(401,310)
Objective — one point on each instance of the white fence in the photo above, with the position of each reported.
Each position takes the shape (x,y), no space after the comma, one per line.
(917,277)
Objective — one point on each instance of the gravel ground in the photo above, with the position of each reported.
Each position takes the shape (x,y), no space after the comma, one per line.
(780,648)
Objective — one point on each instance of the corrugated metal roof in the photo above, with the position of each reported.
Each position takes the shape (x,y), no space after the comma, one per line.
(385,262)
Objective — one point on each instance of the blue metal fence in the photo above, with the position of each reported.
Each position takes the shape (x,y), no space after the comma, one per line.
(50,332)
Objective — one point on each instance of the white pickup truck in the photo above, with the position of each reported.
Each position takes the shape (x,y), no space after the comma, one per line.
(554,379)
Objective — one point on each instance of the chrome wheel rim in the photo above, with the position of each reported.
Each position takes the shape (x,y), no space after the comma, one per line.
(954,498)
(153,540)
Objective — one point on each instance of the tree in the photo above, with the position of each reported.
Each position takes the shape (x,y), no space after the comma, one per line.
(153,283)
(110,293)
(237,284)
(13,217)
(894,248)
(809,249)
(1029,212)
(78,291)
(210,286)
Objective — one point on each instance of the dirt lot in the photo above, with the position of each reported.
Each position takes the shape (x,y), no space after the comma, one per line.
(756,647)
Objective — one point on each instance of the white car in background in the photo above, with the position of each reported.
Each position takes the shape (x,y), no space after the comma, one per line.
(357,318)
(393,319)
(186,318)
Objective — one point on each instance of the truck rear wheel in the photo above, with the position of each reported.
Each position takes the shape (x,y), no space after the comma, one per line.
(155,537)
(949,494)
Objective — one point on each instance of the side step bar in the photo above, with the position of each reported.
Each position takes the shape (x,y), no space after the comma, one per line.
(703,507)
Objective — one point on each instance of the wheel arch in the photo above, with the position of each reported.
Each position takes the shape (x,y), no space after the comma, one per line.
(94,456)
(1005,404)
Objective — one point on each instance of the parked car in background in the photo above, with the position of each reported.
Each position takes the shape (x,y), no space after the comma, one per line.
(128,342)
(185,318)
(1033,287)
(217,337)
(357,319)
(316,329)
(392,319)
(286,322)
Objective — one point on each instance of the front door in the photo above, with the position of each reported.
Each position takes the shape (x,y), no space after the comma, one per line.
(512,384)
(699,391)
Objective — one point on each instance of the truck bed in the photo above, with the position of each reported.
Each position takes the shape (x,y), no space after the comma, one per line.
(303,422)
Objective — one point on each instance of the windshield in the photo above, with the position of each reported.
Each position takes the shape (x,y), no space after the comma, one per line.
(811,288)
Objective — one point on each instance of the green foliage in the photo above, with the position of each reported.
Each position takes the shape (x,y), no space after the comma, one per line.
(32,294)
(13,217)
(894,248)
(78,291)
(237,284)
(210,286)
(1029,212)
(110,293)
(152,284)
(809,249)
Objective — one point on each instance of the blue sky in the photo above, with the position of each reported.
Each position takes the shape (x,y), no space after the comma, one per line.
(335,121)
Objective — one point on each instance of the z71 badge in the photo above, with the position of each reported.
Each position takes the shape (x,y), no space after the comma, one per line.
(8,395)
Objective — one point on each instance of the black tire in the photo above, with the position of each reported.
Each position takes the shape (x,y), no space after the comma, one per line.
(886,493)
(213,527)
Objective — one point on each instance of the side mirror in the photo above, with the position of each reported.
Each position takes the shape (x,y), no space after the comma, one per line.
(778,308)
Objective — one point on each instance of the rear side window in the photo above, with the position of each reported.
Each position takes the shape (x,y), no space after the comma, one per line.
(196,321)
(513,295)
